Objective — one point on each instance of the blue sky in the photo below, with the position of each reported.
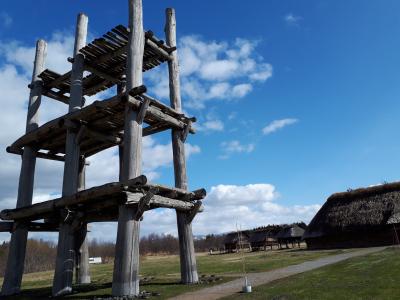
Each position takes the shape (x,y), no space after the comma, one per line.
(323,73)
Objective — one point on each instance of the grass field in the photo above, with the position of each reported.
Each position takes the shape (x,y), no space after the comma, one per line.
(165,270)
(375,276)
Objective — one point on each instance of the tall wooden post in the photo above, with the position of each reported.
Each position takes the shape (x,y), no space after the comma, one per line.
(81,241)
(63,274)
(16,256)
(186,246)
(126,264)
(121,88)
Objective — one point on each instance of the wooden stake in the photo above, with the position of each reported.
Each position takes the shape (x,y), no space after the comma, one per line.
(126,264)
(16,258)
(186,246)
(63,274)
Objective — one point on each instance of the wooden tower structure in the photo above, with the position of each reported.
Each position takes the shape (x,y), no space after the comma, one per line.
(117,58)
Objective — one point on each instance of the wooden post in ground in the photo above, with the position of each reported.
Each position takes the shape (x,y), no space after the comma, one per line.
(62,283)
(16,256)
(82,274)
(186,246)
(126,264)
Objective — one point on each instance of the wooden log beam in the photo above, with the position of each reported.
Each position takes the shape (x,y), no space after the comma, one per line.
(144,202)
(103,137)
(158,201)
(193,212)
(159,115)
(63,274)
(188,265)
(30,226)
(56,96)
(37,210)
(38,154)
(143,110)
(15,262)
(126,264)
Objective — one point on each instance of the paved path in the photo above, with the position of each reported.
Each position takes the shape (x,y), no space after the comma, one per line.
(255,279)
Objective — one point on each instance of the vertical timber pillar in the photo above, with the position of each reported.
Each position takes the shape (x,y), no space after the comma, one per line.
(186,246)
(126,264)
(63,275)
(81,241)
(121,88)
(16,257)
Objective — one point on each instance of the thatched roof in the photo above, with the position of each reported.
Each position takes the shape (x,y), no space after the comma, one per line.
(290,231)
(261,236)
(360,209)
(233,237)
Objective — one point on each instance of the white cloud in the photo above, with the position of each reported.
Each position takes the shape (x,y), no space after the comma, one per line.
(250,206)
(278,124)
(292,19)
(211,125)
(213,70)
(231,147)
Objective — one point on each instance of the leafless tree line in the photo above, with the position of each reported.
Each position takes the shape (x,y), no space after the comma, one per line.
(40,254)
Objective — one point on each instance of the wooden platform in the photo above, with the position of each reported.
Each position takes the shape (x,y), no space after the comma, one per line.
(101,126)
(101,203)
(105,60)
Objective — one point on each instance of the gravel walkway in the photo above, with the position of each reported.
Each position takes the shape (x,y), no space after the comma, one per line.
(255,279)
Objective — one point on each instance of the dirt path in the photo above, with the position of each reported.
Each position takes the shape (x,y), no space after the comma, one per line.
(256,279)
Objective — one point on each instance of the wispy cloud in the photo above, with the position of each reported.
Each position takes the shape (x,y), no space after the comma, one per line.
(292,19)
(211,125)
(231,147)
(278,124)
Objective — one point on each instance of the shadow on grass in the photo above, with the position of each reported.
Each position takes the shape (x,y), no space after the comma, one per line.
(86,291)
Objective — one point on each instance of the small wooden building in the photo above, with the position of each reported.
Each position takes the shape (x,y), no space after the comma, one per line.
(290,234)
(236,241)
(358,218)
(264,237)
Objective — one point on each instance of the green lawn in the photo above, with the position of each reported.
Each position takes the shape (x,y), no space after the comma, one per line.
(165,272)
(375,276)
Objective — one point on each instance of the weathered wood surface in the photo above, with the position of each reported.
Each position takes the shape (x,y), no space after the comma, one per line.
(186,245)
(82,274)
(16,258)
(105,58)
(30,226)
(66,247)
(95,194)
(104,116)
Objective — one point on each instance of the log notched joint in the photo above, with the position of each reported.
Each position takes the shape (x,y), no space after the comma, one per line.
(144,203)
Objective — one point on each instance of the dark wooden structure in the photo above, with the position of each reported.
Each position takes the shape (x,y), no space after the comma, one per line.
(236,241)
(363,217)
(290,234)
(117,58)
(263,238)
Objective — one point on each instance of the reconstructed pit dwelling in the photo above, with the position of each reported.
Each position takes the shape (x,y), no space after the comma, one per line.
(117,58)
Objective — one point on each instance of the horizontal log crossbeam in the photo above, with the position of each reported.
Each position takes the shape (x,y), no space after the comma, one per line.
(103,199)
(103,121)
(10,226)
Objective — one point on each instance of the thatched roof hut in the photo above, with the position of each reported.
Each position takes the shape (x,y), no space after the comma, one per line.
(290,234)
(357,218)
(237,240)
(261,239)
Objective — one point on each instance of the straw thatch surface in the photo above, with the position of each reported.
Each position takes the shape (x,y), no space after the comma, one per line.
(358,217)
(360,209)
(291,231)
